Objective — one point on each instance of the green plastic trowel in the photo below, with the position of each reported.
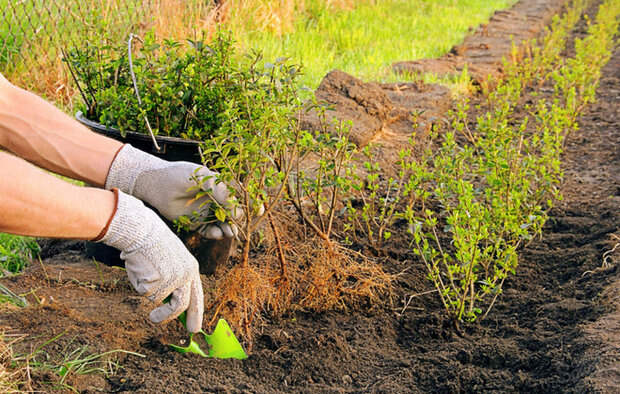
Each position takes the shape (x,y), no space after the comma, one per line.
(222,343)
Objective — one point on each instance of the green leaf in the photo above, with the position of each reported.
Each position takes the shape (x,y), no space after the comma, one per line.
(220,214)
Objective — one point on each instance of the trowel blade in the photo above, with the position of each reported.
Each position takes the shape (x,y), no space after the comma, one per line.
(223,343)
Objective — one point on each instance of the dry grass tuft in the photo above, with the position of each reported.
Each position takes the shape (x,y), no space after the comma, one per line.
(261,15)
(51,80)
(180,19)
(276,16)
(12,380)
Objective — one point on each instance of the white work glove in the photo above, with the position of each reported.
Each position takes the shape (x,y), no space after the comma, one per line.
(165,186)
(158,264)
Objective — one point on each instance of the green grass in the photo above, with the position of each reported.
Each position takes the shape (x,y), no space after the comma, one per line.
(366,41)
(16,252)
(363,42)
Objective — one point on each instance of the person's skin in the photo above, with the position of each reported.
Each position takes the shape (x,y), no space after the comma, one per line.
(37,131)
(34,202)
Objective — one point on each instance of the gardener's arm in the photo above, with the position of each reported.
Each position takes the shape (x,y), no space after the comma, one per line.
(35,130)
(35,203)
(158,265)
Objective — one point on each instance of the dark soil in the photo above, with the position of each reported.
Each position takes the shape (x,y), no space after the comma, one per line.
(555,329)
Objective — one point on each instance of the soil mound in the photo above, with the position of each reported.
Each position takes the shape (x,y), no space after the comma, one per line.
(483,50)
(350,99)
(385,113)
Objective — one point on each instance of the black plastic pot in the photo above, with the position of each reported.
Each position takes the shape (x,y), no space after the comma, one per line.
(171,148)
(208,252)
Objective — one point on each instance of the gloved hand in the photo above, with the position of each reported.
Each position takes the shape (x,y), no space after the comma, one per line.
(164,185)
(157,262)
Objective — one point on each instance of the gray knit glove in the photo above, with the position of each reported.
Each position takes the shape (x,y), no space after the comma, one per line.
(166,187)
(157,262)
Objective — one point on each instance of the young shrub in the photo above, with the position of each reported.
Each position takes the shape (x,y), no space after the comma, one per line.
(322,176)
(253,152)
(254,149)
(275,170)
(377,198)
(486,199)
(183,88)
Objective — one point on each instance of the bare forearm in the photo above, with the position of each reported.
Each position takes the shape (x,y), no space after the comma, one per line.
(37,131)
(36,203)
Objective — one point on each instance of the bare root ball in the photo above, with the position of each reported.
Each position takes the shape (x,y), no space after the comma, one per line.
(295,273)
(336,278)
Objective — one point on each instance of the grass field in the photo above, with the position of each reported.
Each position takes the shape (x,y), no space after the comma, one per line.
(365,41)
(362,38)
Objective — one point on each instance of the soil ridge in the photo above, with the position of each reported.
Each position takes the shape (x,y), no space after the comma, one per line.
(482,52)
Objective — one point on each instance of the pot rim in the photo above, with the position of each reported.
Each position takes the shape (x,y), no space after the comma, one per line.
(131,134)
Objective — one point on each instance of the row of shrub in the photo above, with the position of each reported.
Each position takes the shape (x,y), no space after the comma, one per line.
(470,206)
(491,196)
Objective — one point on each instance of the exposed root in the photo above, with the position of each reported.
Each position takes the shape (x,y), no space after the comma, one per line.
(335,278)
(609,257)
(295,273)
(242,295)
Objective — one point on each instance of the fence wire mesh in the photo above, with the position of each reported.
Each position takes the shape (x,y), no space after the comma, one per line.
(31,29)
(33,34)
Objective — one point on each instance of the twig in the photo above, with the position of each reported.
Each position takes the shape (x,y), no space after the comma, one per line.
(135,87)
(411,297)
(77,83)
(280,251)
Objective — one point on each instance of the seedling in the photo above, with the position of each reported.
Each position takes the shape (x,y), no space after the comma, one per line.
(80,364)
(78,361)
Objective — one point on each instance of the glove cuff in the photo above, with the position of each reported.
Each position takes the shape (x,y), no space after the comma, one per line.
(103,232)
(130,225)
(127,165)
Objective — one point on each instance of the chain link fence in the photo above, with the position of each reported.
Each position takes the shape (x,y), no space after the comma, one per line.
(33,34)
(33,28)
